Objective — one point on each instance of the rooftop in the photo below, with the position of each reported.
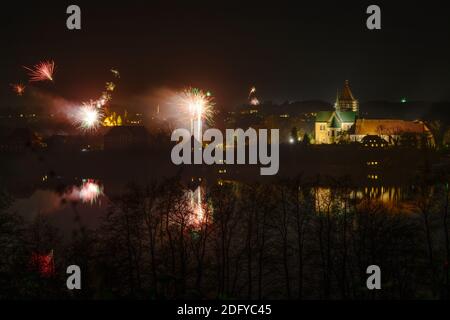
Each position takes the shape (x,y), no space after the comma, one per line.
(387,127)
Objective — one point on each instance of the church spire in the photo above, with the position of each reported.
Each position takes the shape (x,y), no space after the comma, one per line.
(346,92)
(345,101)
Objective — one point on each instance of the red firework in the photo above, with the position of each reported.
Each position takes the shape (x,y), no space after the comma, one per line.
(18,88)
(42,71)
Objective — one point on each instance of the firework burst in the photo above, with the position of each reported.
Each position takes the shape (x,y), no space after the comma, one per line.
(88,117)
(18,88)
(197,104)
(42,71)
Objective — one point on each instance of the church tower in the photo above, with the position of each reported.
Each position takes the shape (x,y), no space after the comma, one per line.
(345,100)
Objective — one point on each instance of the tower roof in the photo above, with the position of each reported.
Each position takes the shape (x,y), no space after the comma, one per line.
(346,93)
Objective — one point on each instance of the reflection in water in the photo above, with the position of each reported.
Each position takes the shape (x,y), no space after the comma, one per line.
(44,264)
(387,195)
(88,192)
(323,199)
(86,198)
(198,216)
(331,198)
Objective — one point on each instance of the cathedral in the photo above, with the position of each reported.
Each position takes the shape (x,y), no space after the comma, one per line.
(343,124)
(331,125)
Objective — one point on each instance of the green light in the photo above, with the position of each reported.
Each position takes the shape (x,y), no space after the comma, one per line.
(403,100)
(208,94)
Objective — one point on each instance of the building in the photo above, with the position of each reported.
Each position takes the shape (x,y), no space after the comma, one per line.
(331,126)
(394,132)
(343,124)
(126,137)
(373,141)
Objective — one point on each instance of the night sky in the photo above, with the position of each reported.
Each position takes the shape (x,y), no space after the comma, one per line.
(289,50)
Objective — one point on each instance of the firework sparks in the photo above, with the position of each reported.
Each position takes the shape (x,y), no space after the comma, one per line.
(88,117)
(100,103)
(116,73)
(42,71)
(18,88)
(94,114)
(198,105)
(252,91)
(110,86)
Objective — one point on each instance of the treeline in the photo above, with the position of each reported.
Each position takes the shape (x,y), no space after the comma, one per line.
(248,241)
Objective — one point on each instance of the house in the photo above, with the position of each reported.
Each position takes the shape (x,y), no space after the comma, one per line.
(394,132)
(373,141)
(126,137)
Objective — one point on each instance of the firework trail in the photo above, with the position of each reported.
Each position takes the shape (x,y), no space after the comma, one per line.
(42,71)
(252,91)
(252,97)
(18,88)
(102,101)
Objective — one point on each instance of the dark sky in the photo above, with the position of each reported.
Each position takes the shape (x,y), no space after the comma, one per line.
(289,50)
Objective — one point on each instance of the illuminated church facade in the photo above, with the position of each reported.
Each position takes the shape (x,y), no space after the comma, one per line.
(343,124)
(331,125)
